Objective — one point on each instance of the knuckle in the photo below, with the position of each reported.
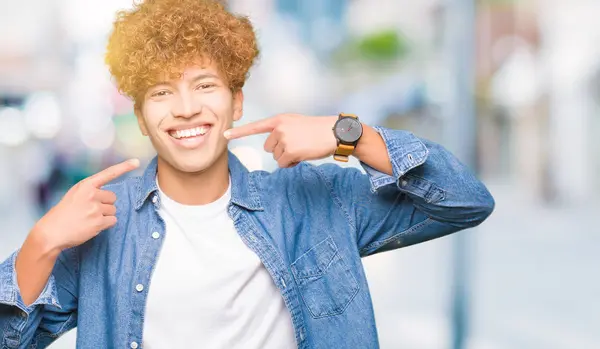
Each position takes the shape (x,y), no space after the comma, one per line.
(78,188)
(279,119)
(86,183)
(94,210)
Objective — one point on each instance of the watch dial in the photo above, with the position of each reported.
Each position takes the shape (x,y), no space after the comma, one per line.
(348,129)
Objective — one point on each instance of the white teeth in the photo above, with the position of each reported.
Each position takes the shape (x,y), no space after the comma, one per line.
(192,132)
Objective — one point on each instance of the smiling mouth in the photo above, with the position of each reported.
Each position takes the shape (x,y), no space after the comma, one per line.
(190,132)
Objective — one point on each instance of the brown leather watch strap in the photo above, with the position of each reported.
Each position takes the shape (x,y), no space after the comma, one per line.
(342,152)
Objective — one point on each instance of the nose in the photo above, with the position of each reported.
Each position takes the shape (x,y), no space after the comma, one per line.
(185,106)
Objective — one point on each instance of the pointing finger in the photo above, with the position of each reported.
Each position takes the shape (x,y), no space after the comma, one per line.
(253,128)
(103,177)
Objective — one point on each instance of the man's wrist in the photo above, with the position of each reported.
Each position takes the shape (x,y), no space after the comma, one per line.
(330,122)
(369,138)
(372,151)
(40,240)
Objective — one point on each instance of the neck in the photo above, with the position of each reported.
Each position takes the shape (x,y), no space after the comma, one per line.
(198,188)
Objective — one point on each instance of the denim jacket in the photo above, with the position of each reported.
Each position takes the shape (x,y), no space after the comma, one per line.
(310,226)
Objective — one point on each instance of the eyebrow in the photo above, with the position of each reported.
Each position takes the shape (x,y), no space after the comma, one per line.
(204,76)
(200,76)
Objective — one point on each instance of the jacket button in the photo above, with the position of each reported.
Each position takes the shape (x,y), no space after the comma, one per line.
(133,345)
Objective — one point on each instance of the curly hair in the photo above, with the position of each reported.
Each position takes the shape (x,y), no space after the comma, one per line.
(159,38)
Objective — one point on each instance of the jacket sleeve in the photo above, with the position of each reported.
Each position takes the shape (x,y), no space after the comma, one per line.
(51,315)
(430,195)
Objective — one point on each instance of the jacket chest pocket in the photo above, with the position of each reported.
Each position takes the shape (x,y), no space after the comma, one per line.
(325,281)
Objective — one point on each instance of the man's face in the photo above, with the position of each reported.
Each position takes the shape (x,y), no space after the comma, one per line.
(185,118)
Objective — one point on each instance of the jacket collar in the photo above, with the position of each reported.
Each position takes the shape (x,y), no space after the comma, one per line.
(243,189)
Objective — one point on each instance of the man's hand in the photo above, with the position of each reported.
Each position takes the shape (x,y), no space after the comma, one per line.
(84,211)
(292,138)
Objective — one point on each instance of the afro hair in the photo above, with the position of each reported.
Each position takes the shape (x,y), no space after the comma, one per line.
(157,39)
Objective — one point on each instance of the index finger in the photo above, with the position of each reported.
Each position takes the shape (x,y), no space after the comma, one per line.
(252,128)
(103,177)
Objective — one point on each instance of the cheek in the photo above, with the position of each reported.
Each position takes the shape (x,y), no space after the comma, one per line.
(220,104)
(154,116)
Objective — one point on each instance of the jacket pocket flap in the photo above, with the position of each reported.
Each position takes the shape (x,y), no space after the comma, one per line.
(315,261)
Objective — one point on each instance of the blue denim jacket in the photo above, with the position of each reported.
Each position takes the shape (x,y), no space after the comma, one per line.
(310,226)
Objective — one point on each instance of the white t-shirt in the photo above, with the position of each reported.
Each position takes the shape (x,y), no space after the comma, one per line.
(208,289)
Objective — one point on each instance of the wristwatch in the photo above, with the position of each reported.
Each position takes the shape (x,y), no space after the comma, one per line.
(347,131)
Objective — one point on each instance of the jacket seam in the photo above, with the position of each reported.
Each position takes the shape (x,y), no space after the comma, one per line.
(337,200)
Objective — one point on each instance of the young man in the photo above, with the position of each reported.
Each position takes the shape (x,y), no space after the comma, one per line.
(200,253)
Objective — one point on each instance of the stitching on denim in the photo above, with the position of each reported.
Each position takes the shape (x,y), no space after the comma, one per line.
(337,200)
(339,311)
(320,272)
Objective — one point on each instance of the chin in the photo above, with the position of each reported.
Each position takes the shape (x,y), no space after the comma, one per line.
(193,166)
(196,164)
(193,161)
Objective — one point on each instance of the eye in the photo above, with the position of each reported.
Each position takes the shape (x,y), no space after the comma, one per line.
(205,86)
(160,93)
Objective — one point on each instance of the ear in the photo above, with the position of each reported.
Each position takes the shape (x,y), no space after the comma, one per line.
(140,120)
(238,105)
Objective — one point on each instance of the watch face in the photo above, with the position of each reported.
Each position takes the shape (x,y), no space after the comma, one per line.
(348,129)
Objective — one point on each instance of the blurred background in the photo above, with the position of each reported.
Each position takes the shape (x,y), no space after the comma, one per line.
(512,87)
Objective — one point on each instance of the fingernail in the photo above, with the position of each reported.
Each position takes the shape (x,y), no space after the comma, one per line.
(226,134)
(134,162)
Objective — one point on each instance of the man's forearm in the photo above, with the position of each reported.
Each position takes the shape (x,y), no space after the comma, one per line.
(372,151)
(34,265)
